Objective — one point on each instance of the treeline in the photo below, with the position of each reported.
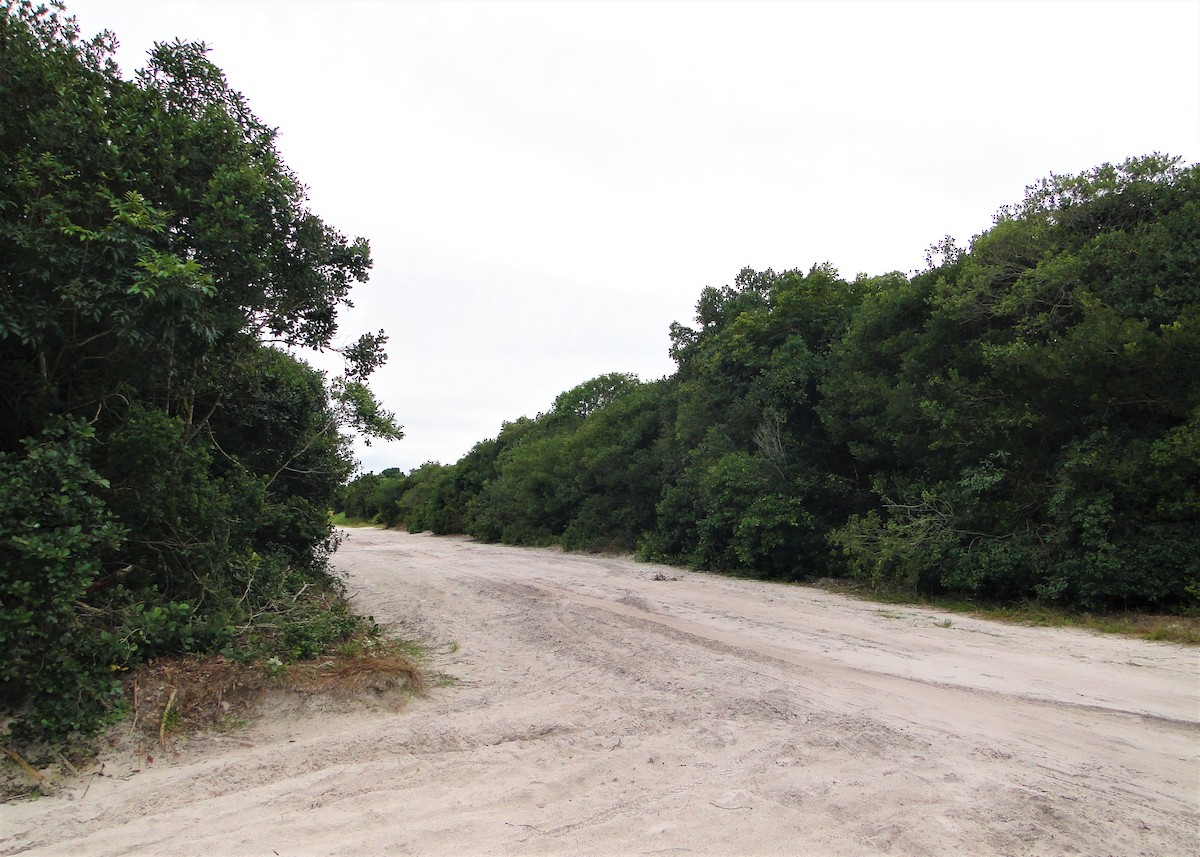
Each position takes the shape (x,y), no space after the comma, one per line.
(166,465)
(1019,420)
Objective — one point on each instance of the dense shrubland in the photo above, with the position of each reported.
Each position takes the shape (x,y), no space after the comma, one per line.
(166,463)
(1019,420)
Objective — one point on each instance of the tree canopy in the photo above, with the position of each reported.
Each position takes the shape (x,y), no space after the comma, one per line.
(168,463)
(1019,420)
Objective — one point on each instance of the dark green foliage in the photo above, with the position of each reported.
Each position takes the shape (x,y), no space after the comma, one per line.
(1017,421)
(167,470)
(1043,369)
(1016,416)
(760,482)
(618,466)
(54,519)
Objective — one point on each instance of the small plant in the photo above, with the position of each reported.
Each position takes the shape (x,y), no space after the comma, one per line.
(171,719)
(229,723)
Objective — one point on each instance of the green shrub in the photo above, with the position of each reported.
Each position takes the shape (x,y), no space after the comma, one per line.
(57,537)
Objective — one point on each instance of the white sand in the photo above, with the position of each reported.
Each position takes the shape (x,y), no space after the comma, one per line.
(601,711)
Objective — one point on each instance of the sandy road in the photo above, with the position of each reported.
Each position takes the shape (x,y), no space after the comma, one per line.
(602,709)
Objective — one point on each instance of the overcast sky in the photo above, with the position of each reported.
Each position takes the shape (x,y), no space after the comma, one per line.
(547,186)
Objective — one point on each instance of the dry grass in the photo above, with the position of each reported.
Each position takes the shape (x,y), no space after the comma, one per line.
(195,695)
(1147,626)
(354,675)
(190,693)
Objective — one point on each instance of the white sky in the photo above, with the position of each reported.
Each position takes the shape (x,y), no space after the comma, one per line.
(547,186)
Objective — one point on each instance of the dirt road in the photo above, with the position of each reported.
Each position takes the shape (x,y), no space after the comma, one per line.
(603,706)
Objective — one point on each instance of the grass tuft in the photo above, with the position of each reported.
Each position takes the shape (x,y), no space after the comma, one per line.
(380,669)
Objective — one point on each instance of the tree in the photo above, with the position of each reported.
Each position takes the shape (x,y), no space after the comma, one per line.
(157,261)
(1017,421)
(1027,393)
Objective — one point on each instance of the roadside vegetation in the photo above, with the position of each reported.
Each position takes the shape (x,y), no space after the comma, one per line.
(340,519)
(167,461)
(1181,628)
(1016,425)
